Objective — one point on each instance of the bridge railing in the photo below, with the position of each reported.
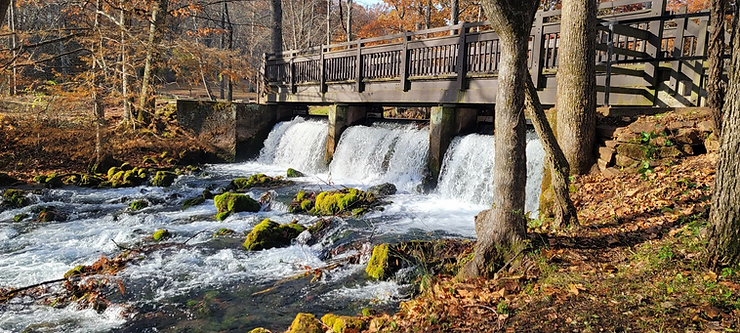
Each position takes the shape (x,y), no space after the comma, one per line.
(630,33)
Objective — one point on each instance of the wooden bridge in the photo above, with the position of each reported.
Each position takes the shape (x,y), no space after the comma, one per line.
(645,56)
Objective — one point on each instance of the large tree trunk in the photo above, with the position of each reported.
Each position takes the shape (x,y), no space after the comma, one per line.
(276,33)
(576,99)
(502,229)
(724,217)
(4,4)
(715,86)
(146,99)
(127,116)
(454,11)
(564,212)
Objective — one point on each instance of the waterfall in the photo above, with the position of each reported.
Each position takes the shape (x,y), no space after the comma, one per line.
(298,144)
(382,153)
(467,170)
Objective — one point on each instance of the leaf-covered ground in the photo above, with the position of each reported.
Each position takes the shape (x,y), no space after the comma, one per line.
(636,264)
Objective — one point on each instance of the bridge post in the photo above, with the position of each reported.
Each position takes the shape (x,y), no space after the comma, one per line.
(654,47)
(340,117)
(358,68)
(537,43)
(460,66)
(404,70)
(445,122)
(677,52)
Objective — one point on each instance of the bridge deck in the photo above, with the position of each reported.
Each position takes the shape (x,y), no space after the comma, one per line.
(645,56)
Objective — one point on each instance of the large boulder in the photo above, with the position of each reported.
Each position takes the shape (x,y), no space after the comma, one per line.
(293,173)
(259,180)
(228,203)
(440,256)
(382,190)
(268,234)
(6,180)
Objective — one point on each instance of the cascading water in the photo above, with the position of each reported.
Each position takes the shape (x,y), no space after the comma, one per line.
(211,283)
(467,170)
(379,154)
(297,144)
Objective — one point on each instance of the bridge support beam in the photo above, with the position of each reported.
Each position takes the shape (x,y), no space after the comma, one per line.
(340,117)
(445,122)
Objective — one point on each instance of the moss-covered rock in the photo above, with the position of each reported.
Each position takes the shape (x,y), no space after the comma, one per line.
(223,232)
(259,180)
(49,214)
(78,270)
(148,160)
(103,165)
(268,234)
(88,180)
(15,198)
(339,323)
(192,202)
(138,205)
(51,180)
(293,173)
(348,201)
(305,323)
(126,178)
(228,203)
(20,217)
(160,235)
(6,180)
(163,179)
(260,330)
(442,256)
(207,194)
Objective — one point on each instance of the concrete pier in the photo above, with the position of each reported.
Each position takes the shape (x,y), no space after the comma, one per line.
(446,122)
(340,117)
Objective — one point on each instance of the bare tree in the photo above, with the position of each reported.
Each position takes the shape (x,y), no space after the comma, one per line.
(502,229)
(146,99)
(576,99)
(724,217)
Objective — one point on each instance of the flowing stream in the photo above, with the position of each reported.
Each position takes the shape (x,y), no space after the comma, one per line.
(212,283)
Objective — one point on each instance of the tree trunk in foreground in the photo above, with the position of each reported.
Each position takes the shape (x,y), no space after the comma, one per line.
(715,86)
(502,229)
(564,211)
(724,217)
(146,99)
(576,95)
(4,4)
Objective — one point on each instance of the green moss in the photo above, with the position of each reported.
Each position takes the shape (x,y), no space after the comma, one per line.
(161,234)
(234,202)
(293,173)
(138,205)
(222,216)
(305,323)
(127,178)
(192,202)
(259,330)
(78,270)
(268,234)
(378,264)
(163,179)
(339,323)
(300,196)
(112,171)
(53,181)
(306,205)
(20,217)
(149,160)
(15,198)
(258,180)
(332,203)
(367,312)
(319,226)
(223,232)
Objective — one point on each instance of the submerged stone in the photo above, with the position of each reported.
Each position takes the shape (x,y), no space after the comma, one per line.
(15,198)
(192,202)
(223,232)
(161,234)
(20,217)
(305,323)
(138,205)
(382,190)
(228,203)
(293,173)
(339,324)
(163,179)
(269,234)
(50,214)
